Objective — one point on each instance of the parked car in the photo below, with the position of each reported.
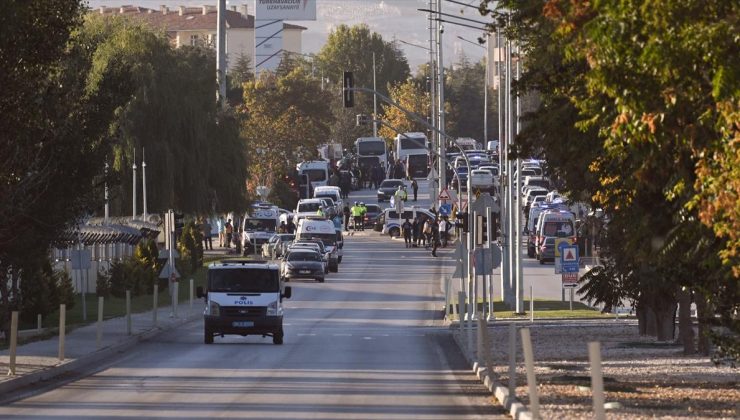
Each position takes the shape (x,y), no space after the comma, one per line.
(388,188)
(303,263)
(389,219)
(276,245)
(546,251)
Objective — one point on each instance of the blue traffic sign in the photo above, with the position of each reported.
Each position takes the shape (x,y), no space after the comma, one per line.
(569,259)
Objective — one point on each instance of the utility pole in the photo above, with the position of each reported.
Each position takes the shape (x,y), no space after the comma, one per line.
(133,166)
(441,105)
(375,102)
(221,53)
(433,91)
(143,182)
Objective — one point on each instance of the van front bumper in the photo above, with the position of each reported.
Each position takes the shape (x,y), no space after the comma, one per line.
(240,325)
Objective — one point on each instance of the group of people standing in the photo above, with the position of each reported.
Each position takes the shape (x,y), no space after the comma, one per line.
(429,233)
(357,212)
(225,233)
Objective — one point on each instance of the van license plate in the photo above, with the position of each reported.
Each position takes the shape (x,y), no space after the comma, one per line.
(305,271)
(242,324)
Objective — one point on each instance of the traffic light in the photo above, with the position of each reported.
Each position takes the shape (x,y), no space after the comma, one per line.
(348,95)
(179,221)
(462,221)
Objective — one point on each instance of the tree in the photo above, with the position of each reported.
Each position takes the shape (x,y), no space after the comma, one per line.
(645,90)
(54,137)
(464,92)
(410,96)
(284,120)
(351,49)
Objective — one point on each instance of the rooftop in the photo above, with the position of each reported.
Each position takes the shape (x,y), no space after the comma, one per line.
(188,18)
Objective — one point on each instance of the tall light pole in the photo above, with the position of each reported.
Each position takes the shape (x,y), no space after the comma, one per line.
(133,204)
(221,52)
(441,150)
(375,102)
(143,182)
(433,87)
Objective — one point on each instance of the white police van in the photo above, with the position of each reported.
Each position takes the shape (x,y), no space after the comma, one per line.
(244,297)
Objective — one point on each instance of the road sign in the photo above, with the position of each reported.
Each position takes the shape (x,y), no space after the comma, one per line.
(445,209)
(558,265)
(569,259)
(444,195)
(166,272)
(570,279)
(560,243)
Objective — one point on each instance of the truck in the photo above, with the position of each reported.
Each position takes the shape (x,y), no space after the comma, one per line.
(258,226)
(330,151)
(317,172)
(417,165)
(243,297)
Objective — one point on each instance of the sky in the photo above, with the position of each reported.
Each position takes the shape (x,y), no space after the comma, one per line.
(392,19)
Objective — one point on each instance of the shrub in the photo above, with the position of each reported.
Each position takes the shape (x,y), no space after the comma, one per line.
(102,285)
(190,247)
(65,288)
(131,274)
(38,292)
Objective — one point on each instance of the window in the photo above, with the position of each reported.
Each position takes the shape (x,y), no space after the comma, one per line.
(193,40)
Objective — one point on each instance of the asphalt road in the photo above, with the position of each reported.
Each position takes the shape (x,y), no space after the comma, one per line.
(367,344)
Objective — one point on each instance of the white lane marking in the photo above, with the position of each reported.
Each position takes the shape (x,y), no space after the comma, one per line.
(367,338)
(342,335)
(309,335)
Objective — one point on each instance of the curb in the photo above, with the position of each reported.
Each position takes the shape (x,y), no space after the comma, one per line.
(88,359)
(516,409)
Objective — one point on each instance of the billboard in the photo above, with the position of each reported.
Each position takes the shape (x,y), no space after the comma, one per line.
(285,9)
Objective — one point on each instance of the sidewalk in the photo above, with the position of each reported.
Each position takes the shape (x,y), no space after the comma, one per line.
(38,361)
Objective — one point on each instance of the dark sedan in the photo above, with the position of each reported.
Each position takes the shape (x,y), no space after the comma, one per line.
(388,188)
(373,211)
(303,264)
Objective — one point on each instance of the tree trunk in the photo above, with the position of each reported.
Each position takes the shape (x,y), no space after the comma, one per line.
(651,323)
(642,318)
(685,327)
(704,315)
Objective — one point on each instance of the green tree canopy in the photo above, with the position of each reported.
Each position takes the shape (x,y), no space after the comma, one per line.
(351,49)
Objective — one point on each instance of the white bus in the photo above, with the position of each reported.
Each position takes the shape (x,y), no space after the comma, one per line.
(371,150)
(411,143)
(317,172)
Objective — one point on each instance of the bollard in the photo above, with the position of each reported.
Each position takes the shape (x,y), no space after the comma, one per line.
(485,347)
(155,298)
(128,312)
(571,298)
(192,285)
(479,339)
(13,342)
(38,323)
(99,335)
(62,326)
(597,381)
(512,362)
(534,398)
(460,311)
(531,304)
(174,292)
(447,298)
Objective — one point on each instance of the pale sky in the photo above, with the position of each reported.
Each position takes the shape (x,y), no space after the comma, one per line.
(397,19)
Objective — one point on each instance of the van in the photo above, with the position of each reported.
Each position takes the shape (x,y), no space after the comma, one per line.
(308,207)
(417,165)
(258,226)
(312,228)
(243,297)
(555,223)
(317,172)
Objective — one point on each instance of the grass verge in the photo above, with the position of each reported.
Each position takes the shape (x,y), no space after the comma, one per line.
(542,309)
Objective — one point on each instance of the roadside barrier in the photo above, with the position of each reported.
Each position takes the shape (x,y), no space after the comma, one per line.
(62,326)
(99,332)
(534,398)
(13,342)
(597,380)
(155,298)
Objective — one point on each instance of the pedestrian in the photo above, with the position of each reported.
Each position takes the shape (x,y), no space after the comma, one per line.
(221,233)
(291,226)
(363,212)
(206,229)
(415,228)
(229,230)
(434,237)
(427,233)
(415,188)
(443,228)
(283,228)
(407,228)
(356,211)
(346,213)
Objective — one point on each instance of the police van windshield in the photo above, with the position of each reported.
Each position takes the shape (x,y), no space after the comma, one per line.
(243,280)
(264,225)
(329,239)
(413,143)
(558,229)
(333,196)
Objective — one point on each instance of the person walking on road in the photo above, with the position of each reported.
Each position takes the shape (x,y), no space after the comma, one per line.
(407,227)
(346,212)
(443,231)
(206,229)
(427,233)
(415,188)
(415,228)
(221,233)
(363,212)
(434,237)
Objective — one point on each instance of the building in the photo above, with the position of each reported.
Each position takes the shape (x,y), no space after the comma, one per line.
(197,26)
